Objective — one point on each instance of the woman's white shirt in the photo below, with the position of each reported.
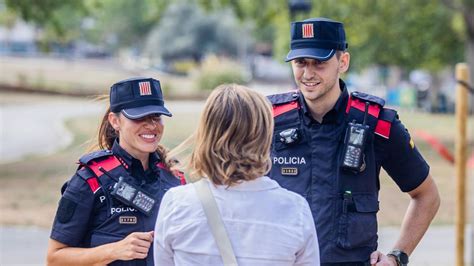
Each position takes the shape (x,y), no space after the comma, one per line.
(266,224)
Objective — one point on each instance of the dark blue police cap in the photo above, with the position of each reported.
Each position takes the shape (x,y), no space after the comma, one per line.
(317,38)
(137,98)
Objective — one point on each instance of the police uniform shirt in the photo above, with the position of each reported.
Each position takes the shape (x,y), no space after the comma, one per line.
(403,163)
(311,167)
(87,218)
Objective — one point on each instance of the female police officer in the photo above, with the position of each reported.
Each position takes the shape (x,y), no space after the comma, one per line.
(108,209)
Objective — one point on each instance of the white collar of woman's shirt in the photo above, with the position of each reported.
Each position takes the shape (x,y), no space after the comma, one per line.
(259,184)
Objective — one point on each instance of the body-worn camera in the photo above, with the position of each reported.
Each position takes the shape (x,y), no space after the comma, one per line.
(289,136)
(354,145)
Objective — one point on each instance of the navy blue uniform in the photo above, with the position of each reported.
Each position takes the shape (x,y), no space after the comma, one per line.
(88,216)
(343,203)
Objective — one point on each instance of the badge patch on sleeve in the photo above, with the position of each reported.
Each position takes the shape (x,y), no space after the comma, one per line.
(289,171)
(65,210)
(412,143)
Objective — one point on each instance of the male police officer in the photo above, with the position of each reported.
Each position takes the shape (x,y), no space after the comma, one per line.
(329,147)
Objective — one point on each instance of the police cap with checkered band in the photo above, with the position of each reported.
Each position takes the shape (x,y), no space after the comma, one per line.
(317,38)
(137,98)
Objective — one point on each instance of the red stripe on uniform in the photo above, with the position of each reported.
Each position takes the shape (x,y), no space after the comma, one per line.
(383,128)
(182,179)
(348,107)
(374,110)
(108,164)
(280,109)
(162,165)
(93,184)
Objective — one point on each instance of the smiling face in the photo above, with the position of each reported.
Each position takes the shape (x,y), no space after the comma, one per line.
(317,79)
(138,137)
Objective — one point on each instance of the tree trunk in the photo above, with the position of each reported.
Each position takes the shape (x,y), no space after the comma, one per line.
(468,15)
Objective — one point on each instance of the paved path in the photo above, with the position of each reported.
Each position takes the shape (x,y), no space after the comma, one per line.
(38,127)
(27,246)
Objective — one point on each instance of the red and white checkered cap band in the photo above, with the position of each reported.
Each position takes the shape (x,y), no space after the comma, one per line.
(307,30)
(145,88)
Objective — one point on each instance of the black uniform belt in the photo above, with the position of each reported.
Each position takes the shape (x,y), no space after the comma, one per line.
(365,263)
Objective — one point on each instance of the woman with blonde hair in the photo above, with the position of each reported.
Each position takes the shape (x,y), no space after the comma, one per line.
(266,224)
(108,208)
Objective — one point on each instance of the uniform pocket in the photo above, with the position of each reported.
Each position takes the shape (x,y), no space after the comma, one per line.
(358,221)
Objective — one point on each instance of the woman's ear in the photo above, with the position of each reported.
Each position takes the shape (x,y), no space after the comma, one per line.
(114,120)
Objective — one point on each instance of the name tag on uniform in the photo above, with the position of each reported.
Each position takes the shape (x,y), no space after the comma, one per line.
(127,219)
(289,171)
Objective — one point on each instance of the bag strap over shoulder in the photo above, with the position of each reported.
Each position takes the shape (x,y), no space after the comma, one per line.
(214,220)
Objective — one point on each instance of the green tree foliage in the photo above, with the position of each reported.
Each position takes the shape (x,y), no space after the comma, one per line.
(126,22)
(120,22)
(464,10)
(407,33)
(60,18)
(187,31)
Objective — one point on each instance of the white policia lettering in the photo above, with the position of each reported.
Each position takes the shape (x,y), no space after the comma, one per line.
(121,209)
(102,198)
(289,160)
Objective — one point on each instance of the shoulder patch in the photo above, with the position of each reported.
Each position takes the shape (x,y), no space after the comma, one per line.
(368,98)
(65,210)
(282,98)
(85,159)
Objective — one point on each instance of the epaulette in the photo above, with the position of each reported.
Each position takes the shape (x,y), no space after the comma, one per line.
(277,99)
(85,159)
(284,102)
(380,119)
(368,98)
(90,166)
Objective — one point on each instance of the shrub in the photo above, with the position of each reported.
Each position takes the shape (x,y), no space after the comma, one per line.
(216,71)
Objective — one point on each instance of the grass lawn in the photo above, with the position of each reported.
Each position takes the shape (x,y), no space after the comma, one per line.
(30,189)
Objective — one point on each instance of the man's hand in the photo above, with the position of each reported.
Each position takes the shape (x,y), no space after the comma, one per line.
(377,258)
(134,246)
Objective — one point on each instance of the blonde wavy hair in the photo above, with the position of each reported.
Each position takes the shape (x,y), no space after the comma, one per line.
(233,139)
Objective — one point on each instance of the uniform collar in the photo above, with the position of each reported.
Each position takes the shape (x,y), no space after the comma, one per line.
(130,161)
(259,184)
(335,115)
